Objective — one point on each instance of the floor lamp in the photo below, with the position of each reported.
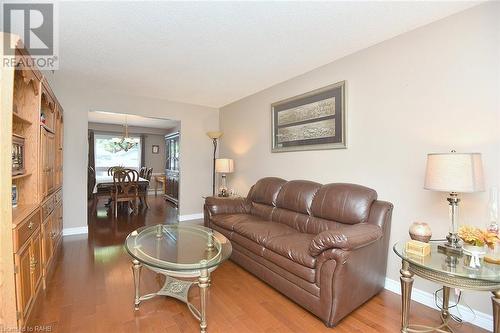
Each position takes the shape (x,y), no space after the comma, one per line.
(214,136)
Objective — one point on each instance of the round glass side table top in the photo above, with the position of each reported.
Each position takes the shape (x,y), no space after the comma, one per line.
(178,250)
(446,264)
(178,247)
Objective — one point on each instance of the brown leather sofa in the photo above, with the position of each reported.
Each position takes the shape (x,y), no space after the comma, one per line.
(323,246)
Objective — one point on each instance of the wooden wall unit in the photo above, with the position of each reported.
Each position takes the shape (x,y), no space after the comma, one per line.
(31,233)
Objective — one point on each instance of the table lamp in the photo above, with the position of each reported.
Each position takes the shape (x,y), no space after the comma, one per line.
(224,165)
(454,173)
(214,135)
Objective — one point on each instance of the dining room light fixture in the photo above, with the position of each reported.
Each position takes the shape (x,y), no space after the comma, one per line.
(125,142)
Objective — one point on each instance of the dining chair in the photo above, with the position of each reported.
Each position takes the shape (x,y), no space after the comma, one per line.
(111,170)
(143,189)
(90,182)
(148,174)
(142,172)
(125,189)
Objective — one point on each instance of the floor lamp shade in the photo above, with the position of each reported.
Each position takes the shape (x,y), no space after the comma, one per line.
(454,172)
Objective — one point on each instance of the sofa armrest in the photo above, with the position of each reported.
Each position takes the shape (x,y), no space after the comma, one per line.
(345,238)
(217,205)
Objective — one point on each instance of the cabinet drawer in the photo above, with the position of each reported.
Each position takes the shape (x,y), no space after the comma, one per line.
(48,207)
(25,229)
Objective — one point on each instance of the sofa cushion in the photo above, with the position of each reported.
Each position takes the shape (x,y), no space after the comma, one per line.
(266,190)
(297,195)
(303,272)
(345,203)
(228,221)
(294,247)
(261,231)
(298,221)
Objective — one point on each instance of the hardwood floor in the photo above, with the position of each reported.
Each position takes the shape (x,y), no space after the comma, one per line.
(91,290)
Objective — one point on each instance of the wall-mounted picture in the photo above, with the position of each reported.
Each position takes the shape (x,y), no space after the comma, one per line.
(311,121)
(156,149)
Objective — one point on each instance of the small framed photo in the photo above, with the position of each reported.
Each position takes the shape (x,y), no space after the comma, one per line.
(155,149)
(15,196)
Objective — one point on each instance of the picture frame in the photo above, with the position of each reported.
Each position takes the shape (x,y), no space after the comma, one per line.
(155,149)
(315,120)
(15,196)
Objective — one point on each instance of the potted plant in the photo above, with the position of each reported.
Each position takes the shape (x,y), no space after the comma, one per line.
(475,240)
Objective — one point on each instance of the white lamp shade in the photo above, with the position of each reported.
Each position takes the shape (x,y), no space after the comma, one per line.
(454,172)
(224,165)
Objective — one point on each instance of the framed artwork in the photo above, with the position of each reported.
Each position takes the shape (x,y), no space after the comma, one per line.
(156,149)
(311,121)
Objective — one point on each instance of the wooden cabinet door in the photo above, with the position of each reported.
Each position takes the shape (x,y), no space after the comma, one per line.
(44,156)
(56,226)
(51,162)
(48,108)
(47,240)
(36,260)
(23,279)
(60,220)
(59,148)
(47,149)
(176,188)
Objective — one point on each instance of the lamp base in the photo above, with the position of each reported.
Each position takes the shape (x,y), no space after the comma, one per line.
(453,246)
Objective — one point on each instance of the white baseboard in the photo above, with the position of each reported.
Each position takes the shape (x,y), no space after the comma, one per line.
(190,217)
(481,319)
(75,231)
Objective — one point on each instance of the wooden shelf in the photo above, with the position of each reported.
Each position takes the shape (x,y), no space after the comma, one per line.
(21,212)
(51,130)
(19,135)
(21,176)
(18,118)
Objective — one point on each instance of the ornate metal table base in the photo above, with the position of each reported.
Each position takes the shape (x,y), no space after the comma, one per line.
(408,270)
(178,289)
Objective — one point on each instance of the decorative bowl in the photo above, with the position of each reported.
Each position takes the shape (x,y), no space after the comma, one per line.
(420,231)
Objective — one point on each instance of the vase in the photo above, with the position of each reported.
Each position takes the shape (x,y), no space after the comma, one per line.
(473,255)
(420,231)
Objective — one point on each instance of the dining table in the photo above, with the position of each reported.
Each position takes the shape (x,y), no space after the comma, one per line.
(105,182)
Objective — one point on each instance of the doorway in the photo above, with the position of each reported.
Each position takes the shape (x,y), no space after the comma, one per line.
(143,146)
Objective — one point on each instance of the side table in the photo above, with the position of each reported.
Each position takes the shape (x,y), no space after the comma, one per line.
(451,272)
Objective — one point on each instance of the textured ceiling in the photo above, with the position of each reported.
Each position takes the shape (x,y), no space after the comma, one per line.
(214,53)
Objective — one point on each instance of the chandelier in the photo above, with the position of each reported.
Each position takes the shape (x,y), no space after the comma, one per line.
(125,142)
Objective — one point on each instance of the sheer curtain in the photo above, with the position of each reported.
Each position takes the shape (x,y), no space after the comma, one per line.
(106,154)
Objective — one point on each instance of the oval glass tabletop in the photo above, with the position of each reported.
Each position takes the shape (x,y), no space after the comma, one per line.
(178,247)
(450,264)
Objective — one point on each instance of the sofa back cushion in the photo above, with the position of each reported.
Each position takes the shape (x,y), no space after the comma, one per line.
(266,190)
(344,203)
(297,195)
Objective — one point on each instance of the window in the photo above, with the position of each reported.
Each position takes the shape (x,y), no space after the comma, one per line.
(107,156)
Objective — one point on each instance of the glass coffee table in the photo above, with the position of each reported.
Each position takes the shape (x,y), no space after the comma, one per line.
(449,271)
(178,251)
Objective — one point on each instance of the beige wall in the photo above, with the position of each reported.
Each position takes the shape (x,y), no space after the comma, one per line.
(429,90)
(155,161)
(78,97)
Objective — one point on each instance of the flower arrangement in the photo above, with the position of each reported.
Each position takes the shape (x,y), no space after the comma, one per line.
(477,237)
